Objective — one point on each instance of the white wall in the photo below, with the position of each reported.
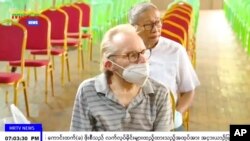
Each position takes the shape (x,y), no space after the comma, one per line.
(211,4)
(161,4)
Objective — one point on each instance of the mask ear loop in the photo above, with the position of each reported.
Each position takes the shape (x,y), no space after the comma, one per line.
(118,66)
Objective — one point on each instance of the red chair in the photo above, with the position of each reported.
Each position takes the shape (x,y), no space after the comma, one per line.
(182,21)
(59,28)
(86,18)
(174,32)
(172,36)
(12,46)
(183,5)
(38,28)
(187,16)
(181,12)
(192,39)
(74,33)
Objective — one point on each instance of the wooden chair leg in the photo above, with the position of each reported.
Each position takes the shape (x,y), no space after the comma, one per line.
(51,79)
(26,99)
(82,58)
(186,120)
(62,69)
(15,94)
(28,77)
(46,84)
(35,71)
(35,74)
(6,96)
(68,69)
(53,62)
(91,49)
(78,60)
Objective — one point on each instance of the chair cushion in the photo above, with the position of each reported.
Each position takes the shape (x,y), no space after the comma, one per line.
(6,77)
(30,63)
(54,51)
(86,35)
(75,35)
(73,41)
(70,42)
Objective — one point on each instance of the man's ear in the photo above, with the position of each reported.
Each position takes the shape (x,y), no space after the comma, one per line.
(108,65)
(136,27)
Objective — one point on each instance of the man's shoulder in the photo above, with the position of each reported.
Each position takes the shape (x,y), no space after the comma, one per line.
(97,84)
(87,84)
(158,87)
(169,45)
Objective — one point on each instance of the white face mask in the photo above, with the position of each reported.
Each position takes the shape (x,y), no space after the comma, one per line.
(136,73)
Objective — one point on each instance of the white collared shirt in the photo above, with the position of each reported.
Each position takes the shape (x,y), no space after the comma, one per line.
(170,65)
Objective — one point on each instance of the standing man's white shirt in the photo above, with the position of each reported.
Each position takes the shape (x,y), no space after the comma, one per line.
(169,64)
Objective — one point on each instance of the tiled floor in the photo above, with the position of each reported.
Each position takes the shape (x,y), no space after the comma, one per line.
(222,99)
(223,68)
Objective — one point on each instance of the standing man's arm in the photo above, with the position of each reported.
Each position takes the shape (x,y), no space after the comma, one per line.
(187,81)
(185,101)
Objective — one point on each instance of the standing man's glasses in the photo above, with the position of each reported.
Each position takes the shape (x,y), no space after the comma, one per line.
(151,25)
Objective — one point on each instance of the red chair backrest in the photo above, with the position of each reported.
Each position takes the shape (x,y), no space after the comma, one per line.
(171,28)
(75,16)
(86,13)
(59,23)
(181,13)
(38,28)
(172,36)
(186,5)
(12,42)
(183,7)
(178,20)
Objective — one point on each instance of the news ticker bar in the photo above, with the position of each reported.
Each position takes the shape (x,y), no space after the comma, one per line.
(115,136)
(34,132)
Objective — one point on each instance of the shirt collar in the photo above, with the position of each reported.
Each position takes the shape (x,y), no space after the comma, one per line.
(101,84)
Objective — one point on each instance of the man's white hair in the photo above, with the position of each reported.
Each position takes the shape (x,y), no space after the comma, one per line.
(108,46)
(135,12)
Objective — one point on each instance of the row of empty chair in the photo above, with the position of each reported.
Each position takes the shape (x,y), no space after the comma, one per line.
(196,10)
(177,25)
(104,13)
(45,35)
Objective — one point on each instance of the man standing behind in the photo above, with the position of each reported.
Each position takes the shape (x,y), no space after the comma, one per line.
(122,98)
(169,63)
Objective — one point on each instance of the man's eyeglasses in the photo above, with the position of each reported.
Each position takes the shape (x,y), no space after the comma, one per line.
(134,56)
(151,25)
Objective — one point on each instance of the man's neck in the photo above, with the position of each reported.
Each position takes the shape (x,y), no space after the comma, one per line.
(122,85)
(125,92)
(151,45)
